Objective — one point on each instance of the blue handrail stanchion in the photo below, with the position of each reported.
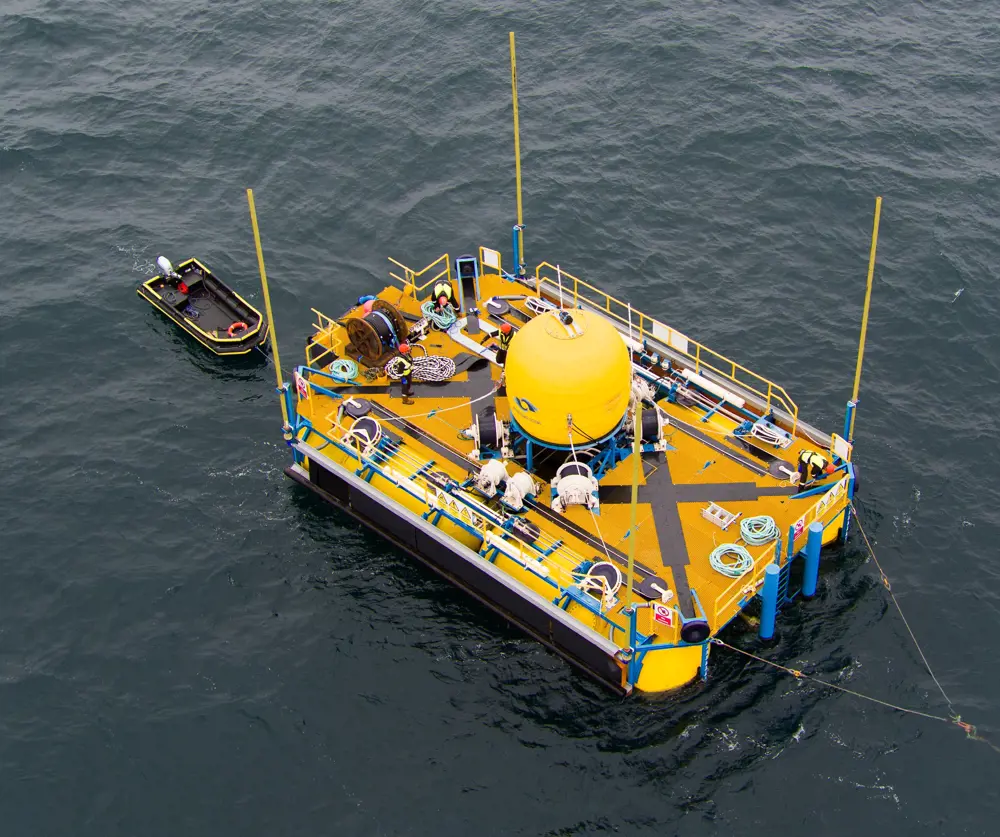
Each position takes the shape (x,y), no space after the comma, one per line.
(813,546)
(769,600)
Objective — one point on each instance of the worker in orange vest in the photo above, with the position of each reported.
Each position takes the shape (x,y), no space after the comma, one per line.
(506,334)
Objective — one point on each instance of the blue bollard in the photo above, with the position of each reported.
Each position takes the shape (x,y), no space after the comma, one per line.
(813,546)
(769,600)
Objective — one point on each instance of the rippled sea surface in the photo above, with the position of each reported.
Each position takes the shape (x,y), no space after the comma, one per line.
(191,644)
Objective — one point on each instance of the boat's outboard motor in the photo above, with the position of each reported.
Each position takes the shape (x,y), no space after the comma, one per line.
(168,269)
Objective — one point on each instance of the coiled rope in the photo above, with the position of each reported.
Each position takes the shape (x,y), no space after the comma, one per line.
(430,368)
(742,564)
(343,370)
(759,530)
(442,320)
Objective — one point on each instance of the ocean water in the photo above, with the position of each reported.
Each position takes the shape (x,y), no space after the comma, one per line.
(190,644)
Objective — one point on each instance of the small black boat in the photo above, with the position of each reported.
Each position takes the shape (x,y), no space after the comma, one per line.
(207,309)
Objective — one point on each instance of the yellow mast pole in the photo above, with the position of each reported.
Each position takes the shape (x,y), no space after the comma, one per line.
(633,535)
(517,156)
(267,306)
(864,316)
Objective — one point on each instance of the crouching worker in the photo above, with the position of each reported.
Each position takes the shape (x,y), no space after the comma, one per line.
(444,296)
(812,466)
(405,366)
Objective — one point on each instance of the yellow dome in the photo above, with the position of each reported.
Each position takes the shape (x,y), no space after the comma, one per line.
(556,369)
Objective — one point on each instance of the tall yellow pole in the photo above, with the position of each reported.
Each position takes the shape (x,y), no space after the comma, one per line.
(267,304)
(517,154)
(864,316)
(633,535)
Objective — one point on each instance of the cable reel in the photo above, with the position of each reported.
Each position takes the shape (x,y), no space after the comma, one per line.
(489,436)
(366,433)
(574,485)
(376,334)
(604,579)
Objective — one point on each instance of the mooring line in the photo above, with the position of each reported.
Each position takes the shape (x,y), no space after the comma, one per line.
(895,601)
(954,718)
(801,675)
(969,729)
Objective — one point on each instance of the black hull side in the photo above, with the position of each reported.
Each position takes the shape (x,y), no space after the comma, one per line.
(471,576)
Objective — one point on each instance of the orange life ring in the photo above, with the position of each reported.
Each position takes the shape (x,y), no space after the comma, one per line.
(234,326)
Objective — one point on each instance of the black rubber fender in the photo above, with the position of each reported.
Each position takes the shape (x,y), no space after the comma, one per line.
(695,631)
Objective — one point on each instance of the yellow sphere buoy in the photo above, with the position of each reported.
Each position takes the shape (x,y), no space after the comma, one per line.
(564,364)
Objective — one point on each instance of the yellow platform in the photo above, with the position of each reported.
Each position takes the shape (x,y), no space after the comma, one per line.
(424,461)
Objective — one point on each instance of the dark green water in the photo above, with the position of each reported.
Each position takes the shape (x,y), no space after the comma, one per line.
(189,644)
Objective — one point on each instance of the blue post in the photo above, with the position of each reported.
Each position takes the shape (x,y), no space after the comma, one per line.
(633,664)
(813,546)
(769,600)
(851,407)
(791,542)
(518,267)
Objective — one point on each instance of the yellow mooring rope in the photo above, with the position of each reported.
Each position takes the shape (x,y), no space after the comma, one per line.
(954,718)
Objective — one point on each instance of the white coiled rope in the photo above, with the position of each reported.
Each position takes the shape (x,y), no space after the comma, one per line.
(759,530)
(430,368)
(443,319)
(741,564)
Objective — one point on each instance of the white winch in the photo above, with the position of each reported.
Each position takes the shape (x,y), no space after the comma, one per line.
(490,476)
(574,485)
(519,488)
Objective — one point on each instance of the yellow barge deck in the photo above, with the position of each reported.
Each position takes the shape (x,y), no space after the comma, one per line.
(719,446)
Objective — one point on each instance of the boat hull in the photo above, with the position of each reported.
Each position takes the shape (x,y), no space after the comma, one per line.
(221,308)
(461,566)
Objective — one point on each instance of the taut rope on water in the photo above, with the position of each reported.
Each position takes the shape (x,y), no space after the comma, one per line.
(953,718)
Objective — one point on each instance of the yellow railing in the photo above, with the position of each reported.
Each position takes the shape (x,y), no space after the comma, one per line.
(835,498)
(325,327)
(410,277)
(829,506)
(727,602)
(578,291)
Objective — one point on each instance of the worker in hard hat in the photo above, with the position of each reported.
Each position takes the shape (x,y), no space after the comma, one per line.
(443,296)
(812,465)
(405,366)
(506,333)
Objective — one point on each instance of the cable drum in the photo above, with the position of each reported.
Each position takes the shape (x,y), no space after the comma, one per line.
(741,564)
(758,531)
(430,368)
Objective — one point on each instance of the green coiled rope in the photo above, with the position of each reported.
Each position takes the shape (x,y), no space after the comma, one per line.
(443,319)
(758,531)
(741,565)
(344,370)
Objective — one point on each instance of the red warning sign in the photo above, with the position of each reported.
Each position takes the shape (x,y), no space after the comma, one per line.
(663,614)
